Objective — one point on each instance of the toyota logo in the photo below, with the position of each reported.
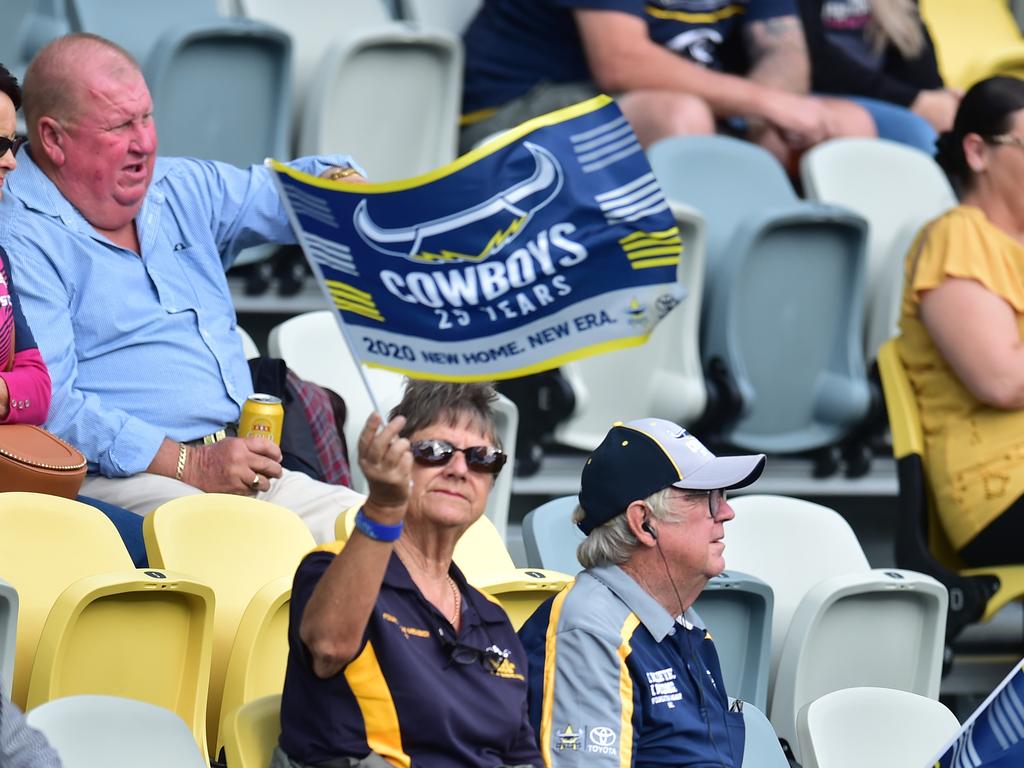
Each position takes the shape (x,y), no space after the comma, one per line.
(602,736)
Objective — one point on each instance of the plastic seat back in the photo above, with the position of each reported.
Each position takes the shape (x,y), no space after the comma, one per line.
(451,15)
(113,732)
(549,536)
(737,609)
(236,545)
(784,282)
(883,627)
(921,543)
(316,350)
(8,635)
(144,635)
(771,533)
(761,748)
(880,727)
(259,654)
(971,46)
(41,565)
(251,733)
(672,385)
(848,172)
(421,73)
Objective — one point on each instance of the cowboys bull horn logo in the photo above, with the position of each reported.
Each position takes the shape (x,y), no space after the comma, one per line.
(498,219)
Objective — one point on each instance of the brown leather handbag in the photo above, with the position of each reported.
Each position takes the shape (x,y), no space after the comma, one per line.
(32,459)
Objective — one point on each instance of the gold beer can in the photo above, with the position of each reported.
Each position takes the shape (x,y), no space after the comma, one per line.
(262,416)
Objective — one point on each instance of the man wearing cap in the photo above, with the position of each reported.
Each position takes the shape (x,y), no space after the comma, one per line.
(620,671)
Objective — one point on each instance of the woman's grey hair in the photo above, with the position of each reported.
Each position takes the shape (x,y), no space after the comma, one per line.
(612,543)
(434,402)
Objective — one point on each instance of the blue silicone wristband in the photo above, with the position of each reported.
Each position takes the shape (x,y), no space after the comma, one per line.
(376,531)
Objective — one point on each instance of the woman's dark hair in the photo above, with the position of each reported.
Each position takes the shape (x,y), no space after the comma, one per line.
(9,85)
(986,109)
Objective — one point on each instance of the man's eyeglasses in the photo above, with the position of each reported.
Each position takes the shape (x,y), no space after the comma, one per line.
(1007,139)
(479,458)
(12,143)
(715,499)
(460,653)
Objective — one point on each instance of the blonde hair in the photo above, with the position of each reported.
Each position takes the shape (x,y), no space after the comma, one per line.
(896,22)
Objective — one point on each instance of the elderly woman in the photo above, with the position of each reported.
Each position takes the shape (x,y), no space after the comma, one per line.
(24,378)
(394,659)
(962,328)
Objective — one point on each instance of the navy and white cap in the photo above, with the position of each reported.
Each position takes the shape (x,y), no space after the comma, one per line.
(640,457)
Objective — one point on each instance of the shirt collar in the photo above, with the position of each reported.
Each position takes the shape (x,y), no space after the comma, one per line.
(649,611)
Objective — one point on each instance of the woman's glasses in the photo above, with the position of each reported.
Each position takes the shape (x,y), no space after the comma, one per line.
(479,458)
(460,653)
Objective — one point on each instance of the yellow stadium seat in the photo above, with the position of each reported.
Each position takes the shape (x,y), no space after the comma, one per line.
(236,544)
(251,731)
(974,40)
(484,560)
(975,594)
(79,628)
(259,655)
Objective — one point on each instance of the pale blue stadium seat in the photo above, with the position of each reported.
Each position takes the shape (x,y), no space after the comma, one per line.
(8,635)
(737,609)
(783,293)
(761,748)
(550,538)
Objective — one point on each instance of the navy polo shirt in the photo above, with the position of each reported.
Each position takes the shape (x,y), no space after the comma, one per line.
(513,45)
(403,696)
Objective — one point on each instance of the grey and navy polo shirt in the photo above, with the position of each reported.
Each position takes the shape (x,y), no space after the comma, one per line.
(616,681)
(403,696)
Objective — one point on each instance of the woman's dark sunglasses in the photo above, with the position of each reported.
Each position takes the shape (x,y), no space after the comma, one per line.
(460,653)
(8,143)
(479,458)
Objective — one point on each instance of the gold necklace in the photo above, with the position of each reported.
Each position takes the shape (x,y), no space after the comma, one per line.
(457,597)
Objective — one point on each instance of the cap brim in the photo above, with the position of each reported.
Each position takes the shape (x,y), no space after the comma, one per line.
(726,472)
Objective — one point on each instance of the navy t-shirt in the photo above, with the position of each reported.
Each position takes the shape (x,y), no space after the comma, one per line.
(513,45)
(406,695)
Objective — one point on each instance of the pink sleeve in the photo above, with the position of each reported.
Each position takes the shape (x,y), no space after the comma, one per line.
(28,384)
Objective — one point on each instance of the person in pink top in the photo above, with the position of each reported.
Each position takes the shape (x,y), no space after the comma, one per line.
(24,380)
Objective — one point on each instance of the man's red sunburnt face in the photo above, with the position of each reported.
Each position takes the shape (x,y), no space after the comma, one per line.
(110,147)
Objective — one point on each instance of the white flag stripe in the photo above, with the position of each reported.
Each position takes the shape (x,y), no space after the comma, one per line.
(625,210)
(619,191)
(1005,703)
(1006,725)
(607,149)
(613,159)
(631,197)
(997,730)
(1014,700)
(315,213)
(972,751)
(586,146)
(662,206)
(300,196)
(611,125)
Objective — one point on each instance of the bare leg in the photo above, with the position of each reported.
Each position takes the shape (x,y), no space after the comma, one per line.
(656,115)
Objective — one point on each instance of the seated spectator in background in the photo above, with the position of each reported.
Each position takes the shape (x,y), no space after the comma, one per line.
(120,259)
(391,653)
(962,328)
(20,745)
(879,54)
(675,67)
(621,673)
(24,378)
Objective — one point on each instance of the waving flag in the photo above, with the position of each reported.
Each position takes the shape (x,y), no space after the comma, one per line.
(993,737)
(549,244)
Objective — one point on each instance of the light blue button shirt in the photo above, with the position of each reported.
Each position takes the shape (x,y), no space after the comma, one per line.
(141,348)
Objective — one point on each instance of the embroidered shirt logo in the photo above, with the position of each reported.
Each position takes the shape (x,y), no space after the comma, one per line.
(500,665)
(568,738)
(662,683)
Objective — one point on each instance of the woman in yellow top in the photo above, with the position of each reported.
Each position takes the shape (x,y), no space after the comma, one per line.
(962,328)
